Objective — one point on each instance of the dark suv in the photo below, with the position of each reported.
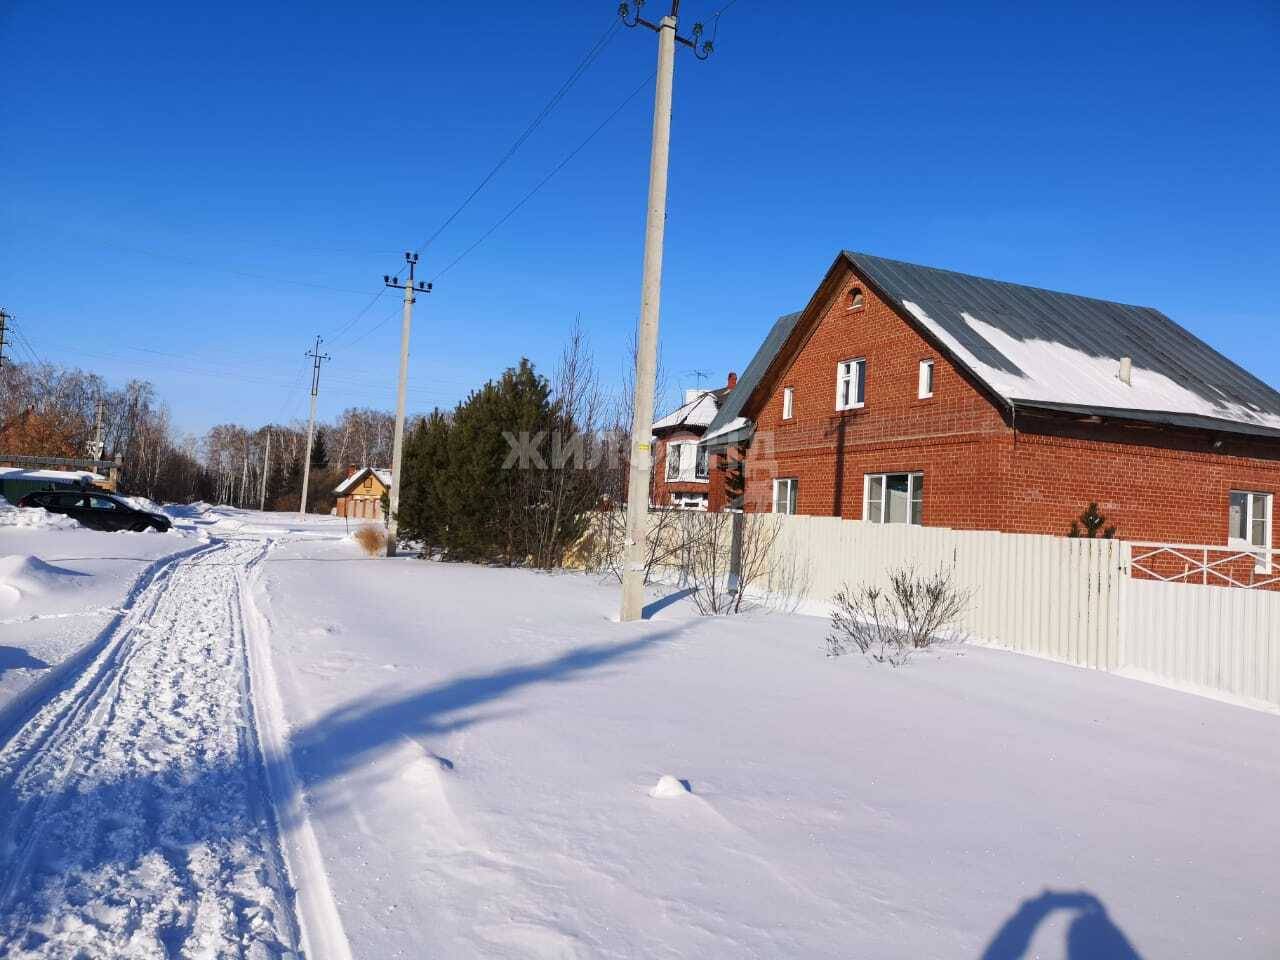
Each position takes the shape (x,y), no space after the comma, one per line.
(97,511)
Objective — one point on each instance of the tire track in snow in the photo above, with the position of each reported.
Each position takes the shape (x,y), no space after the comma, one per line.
(135,810)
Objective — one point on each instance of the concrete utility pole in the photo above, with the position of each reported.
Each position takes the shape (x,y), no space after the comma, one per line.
(97,445)
(641,464)
(397,444)
(319,358)
(266,465)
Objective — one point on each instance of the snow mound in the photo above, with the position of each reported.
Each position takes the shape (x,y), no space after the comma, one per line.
(32,574)
(34,517)
(24,575)
(670,788)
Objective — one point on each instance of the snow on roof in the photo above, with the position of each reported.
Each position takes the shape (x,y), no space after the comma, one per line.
(1051,372)
(66,476)
(1057,351)
(1030,345)
(722,431)
(382,474)
(698,412)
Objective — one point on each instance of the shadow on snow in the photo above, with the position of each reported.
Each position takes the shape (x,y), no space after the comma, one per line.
(1091,934)
(219,804)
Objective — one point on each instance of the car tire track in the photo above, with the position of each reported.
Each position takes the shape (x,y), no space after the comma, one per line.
(136,811)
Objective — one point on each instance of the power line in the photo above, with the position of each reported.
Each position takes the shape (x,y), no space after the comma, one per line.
(22,337)
(592,54)
(543,182)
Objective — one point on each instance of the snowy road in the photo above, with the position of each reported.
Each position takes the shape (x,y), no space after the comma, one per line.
(135,810)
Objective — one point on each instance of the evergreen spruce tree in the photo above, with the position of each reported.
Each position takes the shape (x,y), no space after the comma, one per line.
(291,493)
(319,452)
(278,482)
(422,514)
(1093,521)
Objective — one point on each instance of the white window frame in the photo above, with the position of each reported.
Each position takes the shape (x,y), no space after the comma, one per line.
(674,458)
(791,487)
(853,373)
(686,464)
(915,484)
(701,463)
(788,402)
(1250,518)
(925,386)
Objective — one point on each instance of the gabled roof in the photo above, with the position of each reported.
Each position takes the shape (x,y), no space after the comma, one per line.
(732,407)
(696,413)
(1054,351)
(1032,346)
(356,478)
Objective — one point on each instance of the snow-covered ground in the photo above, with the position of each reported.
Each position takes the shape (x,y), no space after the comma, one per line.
(474,762)
(61,587)
(478,749)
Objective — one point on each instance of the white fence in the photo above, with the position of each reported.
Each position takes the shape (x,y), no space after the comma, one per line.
(1067,599)
(1219,641)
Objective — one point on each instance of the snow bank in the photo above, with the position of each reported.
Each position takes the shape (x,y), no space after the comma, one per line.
(21,576)
(33,517)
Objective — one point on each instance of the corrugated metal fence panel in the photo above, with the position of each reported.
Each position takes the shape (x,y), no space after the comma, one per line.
(1065,599)
(1051,596)
(1212,639)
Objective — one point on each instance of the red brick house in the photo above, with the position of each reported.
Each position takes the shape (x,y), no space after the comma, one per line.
(909,394)
(681,474)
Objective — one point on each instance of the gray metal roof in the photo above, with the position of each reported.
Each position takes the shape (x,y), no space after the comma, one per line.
(1058,350)
(731,406)
(1055,351)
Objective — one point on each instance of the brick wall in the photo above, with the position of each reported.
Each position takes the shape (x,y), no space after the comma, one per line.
(979,473)
(663,489)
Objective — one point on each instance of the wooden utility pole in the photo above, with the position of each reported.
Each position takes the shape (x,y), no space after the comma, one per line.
(641,463)
(266,465)
(319,358)
(410,288)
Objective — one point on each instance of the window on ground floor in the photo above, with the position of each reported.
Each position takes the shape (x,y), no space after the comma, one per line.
(1249,523)
(784,495)
(893,498)
(689,501)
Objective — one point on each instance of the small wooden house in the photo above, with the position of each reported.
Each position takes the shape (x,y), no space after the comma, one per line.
(360,494)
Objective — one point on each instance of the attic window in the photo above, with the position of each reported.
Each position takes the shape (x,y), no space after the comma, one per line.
(855,299)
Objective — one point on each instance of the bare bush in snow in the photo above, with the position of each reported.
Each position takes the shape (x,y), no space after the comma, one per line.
(372,539)
(890,625)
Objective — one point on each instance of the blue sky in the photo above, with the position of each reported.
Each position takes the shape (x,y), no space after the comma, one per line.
(189,193)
